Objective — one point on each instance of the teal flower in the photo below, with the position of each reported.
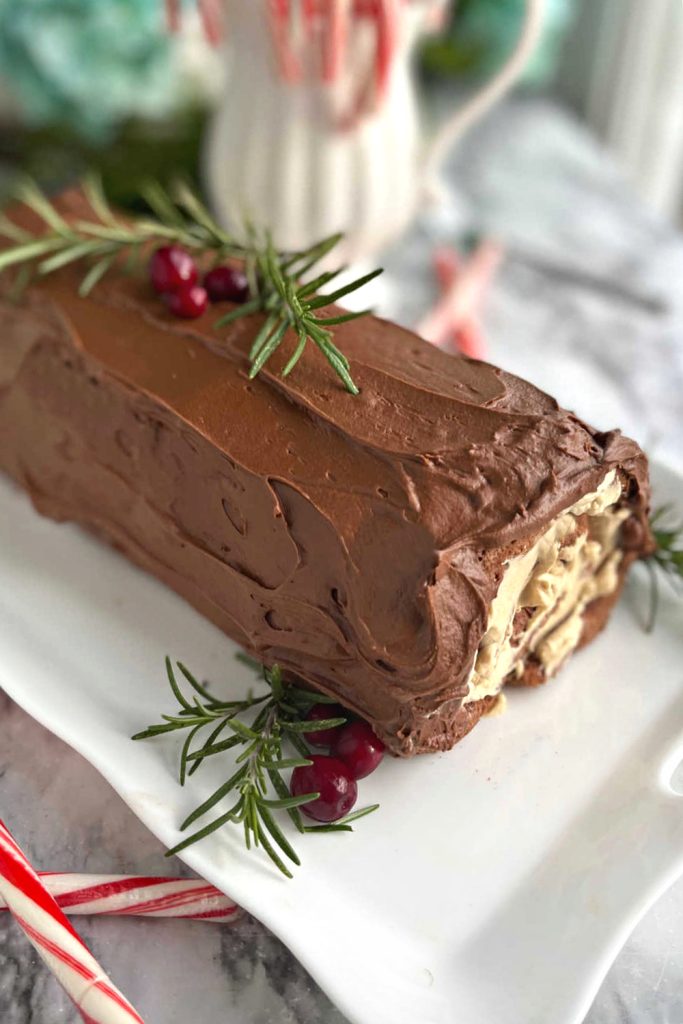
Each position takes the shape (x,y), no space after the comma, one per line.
(86,63)
(494,26)
(482,34)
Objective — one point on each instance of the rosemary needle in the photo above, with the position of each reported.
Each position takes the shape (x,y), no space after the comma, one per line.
(260,726)
(279,282)
(666,561)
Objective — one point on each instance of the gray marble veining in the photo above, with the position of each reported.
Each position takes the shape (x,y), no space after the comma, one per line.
(588,305)
(69,818)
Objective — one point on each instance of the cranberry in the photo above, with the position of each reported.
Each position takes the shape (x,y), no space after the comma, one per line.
(358,747)
(171,268)
(188,303)
(226,284)
(324,737)
(332,780)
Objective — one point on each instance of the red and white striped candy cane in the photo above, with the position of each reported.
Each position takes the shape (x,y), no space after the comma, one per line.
(137,896)
(97,999)
(336,20)
(281,18)
(209,15)
(463,283)
(301,26)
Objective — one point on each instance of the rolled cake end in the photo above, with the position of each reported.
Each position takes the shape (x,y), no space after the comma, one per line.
(553,598)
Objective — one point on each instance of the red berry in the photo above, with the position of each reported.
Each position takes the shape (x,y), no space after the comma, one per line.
(171,268)
(332,780)
(358,747)
(188,303)
(324,737)
(226,284)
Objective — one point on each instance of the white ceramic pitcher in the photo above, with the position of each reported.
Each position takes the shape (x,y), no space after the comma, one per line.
(284,152)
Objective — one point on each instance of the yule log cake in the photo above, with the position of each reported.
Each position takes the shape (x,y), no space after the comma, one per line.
(409,550)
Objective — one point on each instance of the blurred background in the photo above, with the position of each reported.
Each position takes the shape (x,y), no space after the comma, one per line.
(84,82)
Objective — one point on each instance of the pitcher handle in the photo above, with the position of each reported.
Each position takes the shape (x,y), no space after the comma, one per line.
(486,97)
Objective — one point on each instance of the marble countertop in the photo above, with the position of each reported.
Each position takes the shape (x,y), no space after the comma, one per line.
(588,304)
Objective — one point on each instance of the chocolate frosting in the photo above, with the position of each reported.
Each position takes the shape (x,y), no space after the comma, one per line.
(357,541)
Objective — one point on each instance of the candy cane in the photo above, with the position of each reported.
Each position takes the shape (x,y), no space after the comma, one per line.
(137,896)
(372,89)
(46,927)
(463,285)
(335,38)
(289,64)
(210,14)
(387,17)
(470,339)
(172,15)
(328,22)
(464,330)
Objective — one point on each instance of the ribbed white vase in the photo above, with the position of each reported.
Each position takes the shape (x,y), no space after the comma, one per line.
(278,153)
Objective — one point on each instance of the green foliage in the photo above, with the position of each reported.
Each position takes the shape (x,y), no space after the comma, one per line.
(259,728)
(280,283)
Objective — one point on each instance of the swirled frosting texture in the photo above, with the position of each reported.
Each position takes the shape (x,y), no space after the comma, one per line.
(359,542)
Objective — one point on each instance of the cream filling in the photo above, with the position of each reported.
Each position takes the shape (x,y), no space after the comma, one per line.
(554,581)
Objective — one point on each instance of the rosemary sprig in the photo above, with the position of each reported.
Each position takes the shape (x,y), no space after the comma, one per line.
(260,726)
(280,283)
(666,561)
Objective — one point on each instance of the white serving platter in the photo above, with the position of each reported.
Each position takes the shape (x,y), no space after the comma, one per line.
(496,882)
